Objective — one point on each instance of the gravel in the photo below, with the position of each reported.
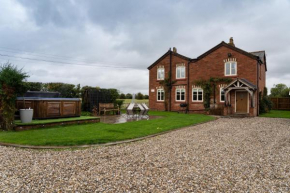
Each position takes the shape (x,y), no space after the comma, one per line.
(226,155)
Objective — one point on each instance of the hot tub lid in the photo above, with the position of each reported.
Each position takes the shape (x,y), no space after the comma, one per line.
(48,99)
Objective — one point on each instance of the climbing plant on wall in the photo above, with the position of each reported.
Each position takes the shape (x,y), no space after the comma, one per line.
(208,87)
(167,83)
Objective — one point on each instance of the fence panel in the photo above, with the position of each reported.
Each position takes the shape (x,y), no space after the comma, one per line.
(281,103)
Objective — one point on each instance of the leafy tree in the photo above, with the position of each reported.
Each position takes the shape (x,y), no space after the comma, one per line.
(265,103)
(34,86)
(114,94)
(139,96)
(146,96)
(122,96)
(65,90)
(280,90)
(11,85)
(129,96)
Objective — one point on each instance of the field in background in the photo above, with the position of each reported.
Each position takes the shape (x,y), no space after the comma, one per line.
(128,101)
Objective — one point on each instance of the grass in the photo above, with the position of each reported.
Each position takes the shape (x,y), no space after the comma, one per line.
(97,133)
(35,122)
(277,114)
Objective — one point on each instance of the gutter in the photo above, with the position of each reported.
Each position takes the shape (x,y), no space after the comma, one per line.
(258,102)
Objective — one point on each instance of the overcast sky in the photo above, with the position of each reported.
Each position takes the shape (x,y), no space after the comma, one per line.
(110,44)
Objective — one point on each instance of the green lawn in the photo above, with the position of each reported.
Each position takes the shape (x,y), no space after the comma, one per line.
(35,122)
(277,114)
(96,133)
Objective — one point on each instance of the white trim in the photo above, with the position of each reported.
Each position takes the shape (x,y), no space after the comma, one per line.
(221,94)
(180,93)
(236,100)
(160,95)
(225,66)
(197,95)
(161,68)
(180,66)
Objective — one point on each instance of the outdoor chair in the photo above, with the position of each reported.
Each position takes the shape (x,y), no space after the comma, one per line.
(142,109)
(130,110)
(145,113)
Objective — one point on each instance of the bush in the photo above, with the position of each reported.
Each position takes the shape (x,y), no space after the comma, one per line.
(119,103)
(265,104)
(85,113)
(11,84)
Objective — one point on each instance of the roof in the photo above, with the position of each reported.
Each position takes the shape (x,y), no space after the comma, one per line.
(228,46)
(166,54)
(261,55)
(244,81)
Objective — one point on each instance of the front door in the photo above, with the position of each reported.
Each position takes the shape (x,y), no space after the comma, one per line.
(241,102)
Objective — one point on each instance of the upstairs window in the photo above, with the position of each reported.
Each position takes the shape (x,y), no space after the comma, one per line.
(160,74)
(180,94)
(160,95)
(197,95)
(180,72)
(231,68)
(222,95)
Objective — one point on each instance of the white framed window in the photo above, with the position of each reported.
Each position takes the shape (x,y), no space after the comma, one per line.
(230,68)
(197,95)
(160,95)
(180,94)
(222,95)
(180,72)
(160,74)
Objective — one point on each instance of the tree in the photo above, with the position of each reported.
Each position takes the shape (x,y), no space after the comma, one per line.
(122,96)
(146,96)
(280,90)
(65,90)
(128,96)
(139,96)
(11,84)
(34,86)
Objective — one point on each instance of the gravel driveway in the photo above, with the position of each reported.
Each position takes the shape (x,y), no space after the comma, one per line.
(226,155)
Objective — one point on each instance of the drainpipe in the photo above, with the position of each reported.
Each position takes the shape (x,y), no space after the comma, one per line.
(169,108)
(187,108)
(258,102)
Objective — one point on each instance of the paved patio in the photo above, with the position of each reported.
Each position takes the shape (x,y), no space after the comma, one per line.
(226,155)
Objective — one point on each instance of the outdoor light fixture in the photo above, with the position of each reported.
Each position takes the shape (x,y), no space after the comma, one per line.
(229,55)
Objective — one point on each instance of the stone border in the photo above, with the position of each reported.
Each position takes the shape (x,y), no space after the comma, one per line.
(104,144)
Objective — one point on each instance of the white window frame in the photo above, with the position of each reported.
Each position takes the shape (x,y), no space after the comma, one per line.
(160,91)
(222,88)
(180,67)
(197,91)
(158,78)
(236,68)
(180,90)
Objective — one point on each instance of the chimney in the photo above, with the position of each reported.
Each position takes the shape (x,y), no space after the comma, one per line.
(174,50)
(232,42)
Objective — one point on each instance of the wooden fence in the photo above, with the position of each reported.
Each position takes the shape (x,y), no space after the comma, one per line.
(281,103)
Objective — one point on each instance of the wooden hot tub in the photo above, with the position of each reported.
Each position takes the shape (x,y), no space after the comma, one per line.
(45,108)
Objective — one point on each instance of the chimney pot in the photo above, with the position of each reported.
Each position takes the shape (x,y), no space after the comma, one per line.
(232,42)
(174,50)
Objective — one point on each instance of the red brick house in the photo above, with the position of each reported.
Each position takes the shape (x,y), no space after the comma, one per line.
(244,71)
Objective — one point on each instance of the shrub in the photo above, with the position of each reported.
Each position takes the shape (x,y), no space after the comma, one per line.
(265,104)
(119,103)
(11,85)
(85,113)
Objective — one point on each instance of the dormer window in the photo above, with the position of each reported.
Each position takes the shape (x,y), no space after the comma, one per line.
(160,74)
(180,71)
(230,68)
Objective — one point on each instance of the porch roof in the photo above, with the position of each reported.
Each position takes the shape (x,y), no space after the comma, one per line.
(240,83)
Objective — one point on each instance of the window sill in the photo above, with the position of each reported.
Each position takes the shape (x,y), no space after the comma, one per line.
(231,75)
(159,80)
(180,78)
(180,101)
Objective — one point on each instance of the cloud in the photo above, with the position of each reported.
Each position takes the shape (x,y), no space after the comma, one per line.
(89,34)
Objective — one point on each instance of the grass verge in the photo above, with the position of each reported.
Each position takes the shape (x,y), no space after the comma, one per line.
(35,122)
(277,114)
(98,133)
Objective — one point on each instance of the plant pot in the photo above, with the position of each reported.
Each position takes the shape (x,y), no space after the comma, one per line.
(26,115)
